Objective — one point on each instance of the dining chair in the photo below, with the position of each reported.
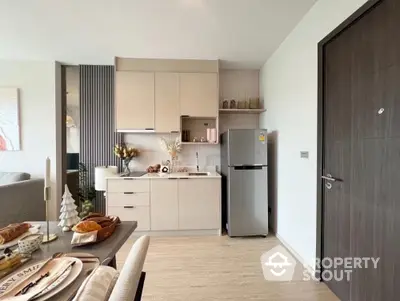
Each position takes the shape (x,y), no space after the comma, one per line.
(130,282)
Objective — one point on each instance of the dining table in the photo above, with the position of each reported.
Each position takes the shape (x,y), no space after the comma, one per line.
(105,251)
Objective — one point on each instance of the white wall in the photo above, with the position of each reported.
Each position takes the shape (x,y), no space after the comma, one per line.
(36,82)
(289,88)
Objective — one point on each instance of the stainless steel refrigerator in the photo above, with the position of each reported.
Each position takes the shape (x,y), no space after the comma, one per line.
(244,167)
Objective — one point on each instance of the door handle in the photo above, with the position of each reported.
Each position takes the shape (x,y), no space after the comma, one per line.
(329,177)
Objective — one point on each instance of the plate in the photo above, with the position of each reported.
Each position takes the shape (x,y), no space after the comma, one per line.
(14,242)
(22,274)
(75,271)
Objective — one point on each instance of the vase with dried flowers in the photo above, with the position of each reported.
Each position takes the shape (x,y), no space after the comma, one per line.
(172,147)
(126,154)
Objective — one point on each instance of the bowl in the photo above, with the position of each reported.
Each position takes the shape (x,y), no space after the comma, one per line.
(30,243)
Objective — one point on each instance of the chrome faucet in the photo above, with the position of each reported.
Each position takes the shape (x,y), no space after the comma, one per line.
(197,161)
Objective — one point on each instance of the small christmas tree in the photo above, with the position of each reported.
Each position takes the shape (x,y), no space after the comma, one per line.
(69,215)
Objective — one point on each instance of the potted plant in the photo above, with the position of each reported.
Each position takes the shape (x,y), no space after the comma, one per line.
(86,192)
(126,154)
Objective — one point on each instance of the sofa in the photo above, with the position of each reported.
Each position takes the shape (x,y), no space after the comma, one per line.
(21,198)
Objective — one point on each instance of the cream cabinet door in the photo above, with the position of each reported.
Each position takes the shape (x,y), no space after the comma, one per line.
(134,100)
(167,117)
(199,204)
(164,204)
(198,94)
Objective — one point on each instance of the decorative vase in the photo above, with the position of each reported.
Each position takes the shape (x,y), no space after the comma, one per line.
(126,166)
(173,162)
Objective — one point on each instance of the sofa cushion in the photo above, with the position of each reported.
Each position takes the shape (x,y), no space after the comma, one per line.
(12,177)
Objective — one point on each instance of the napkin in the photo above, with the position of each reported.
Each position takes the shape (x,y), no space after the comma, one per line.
(84,238)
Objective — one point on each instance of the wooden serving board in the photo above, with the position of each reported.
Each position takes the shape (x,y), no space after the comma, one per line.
(8,271)
(14,242)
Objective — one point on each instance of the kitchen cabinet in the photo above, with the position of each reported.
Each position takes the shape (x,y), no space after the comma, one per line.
(198,93)
(129,199)
(175,203)
(164,204)
(199,204)
(134,100)
(167,115)
(141,214)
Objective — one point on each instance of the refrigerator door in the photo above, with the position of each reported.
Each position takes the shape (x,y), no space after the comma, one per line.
(247,201)
(247,147)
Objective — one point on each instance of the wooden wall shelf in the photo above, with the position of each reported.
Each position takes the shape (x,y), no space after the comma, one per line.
(241,111)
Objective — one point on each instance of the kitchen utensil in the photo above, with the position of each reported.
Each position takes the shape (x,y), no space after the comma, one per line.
(241,104)
(225,104)
(254,103)
(32,284)
(56,279)
(213,134)
(232,104)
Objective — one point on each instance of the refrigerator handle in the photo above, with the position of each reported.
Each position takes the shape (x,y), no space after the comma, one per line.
(248,167)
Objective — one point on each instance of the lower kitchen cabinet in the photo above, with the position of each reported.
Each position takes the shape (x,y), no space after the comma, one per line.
(199,204)
(164,204)
(141,214)
(170,204)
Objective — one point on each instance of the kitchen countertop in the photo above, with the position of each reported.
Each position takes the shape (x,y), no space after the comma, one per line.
(175,175)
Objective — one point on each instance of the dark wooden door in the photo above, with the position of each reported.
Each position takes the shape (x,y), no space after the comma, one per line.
(337,155)
(362,150)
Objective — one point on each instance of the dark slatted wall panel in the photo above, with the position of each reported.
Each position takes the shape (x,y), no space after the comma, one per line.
(97,135)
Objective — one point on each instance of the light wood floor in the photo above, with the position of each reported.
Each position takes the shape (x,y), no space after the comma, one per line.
(216,268)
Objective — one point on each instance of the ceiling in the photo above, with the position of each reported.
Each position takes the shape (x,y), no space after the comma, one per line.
(241,33)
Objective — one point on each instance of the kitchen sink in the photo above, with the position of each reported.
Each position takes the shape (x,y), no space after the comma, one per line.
(200,174)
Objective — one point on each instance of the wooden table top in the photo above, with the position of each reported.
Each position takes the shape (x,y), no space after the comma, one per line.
(105,250)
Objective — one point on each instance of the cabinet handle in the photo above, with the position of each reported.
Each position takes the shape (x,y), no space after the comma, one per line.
(184,178)
(174,132)
(129,207)
(172,178)
(129,192)
(149,129)
(128,179)
(185,116)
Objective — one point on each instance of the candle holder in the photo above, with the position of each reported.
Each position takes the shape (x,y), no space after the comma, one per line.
(48,237)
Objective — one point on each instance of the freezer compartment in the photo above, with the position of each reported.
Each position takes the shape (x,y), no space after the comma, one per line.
(247,147)
(247,201)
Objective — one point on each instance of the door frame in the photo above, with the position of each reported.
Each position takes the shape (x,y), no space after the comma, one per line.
(363,10)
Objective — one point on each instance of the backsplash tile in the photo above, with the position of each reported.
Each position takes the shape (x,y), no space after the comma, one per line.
(151,153)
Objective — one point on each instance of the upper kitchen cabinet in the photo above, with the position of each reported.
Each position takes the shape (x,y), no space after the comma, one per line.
(134,100)
(167,114)
(198,94)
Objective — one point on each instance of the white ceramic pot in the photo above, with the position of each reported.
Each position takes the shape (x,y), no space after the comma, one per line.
(30,243)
